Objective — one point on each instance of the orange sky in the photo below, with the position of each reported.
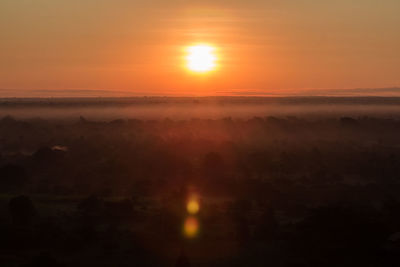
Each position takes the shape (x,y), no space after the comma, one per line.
(264,47)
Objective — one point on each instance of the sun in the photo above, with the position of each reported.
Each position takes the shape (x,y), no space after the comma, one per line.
(201,58)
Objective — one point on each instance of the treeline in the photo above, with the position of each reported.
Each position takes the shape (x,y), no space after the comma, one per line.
(127,157)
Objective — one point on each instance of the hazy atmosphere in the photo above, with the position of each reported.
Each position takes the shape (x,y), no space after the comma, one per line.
(177,133)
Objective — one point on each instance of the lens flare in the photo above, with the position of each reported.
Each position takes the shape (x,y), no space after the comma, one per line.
(193,206)
(191,227)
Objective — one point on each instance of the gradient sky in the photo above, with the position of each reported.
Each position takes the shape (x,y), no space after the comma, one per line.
(265,47)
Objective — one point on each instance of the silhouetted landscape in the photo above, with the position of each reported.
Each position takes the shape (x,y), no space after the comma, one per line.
(307,181)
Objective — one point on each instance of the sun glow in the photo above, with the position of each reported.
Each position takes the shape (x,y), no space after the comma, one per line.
(201,58)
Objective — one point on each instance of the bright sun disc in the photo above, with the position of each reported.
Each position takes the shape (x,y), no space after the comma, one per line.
(201,58)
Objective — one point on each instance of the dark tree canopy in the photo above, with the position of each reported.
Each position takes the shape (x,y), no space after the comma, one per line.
(12,178)
(22,210)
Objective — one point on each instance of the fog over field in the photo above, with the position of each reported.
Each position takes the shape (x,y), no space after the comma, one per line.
(202,108)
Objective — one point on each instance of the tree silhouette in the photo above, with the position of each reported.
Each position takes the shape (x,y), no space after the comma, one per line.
(22,210)
(12,177)
(213,165)
(268,225)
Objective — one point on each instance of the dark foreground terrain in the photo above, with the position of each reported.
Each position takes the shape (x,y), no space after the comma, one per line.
(273,191)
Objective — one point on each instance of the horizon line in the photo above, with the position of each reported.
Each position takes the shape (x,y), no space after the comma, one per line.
(108,93)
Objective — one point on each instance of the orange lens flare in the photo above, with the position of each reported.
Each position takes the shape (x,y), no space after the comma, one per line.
(191,227)
(193,206)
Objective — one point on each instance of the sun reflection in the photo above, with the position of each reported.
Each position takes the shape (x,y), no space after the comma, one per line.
(191,227)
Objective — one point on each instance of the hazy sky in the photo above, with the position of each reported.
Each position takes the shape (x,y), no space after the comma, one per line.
(265,47)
